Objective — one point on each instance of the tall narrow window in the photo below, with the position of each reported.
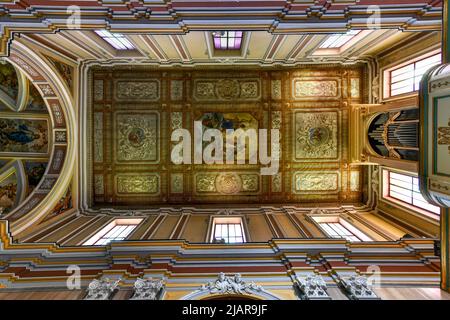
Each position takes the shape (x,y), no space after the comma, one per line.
(228,230)
(407,78)
(117,230)
(405,188)
(339,40)
(117,40)
(227,40)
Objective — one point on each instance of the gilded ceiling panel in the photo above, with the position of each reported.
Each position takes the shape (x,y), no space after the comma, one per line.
(132,160)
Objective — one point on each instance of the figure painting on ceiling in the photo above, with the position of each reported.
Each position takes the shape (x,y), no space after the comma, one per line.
(8,80)
(225,121)
(24,136)
(8,191)
(64,204)
(34,171)
(35,101)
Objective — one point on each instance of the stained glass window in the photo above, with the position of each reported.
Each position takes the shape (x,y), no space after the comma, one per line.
(227,40)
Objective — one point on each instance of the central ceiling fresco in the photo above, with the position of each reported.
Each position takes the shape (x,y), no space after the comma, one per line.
(132,113)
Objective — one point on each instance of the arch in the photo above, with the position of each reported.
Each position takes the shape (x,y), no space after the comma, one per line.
(202,294)
(58,174)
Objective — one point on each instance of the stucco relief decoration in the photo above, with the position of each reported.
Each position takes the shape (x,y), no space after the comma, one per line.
(316,135)
(33,73)
(358,288)
(176,120)
(101,289)
(138,90)
(231,285)
(205,183)
(99,187)
(98,137)
(176,182)
(227,89)
(276,120)
(320,181)
(176,90)
(58,159)
(137,137)
(60,136)
(98,90)
(444,135)
(276,89)
(354,88)
(228,183)
(354,181)
(129,184)
(57,113)
(277,184)
(313,287)
(47,91)
(147,289)
(308,88)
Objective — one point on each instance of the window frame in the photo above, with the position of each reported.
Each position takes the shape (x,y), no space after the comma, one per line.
(227,220)
(357,233)
(387,74)
(98,235)
(127,46)
(228,49)
(349,35)
(362,34)
(386,194)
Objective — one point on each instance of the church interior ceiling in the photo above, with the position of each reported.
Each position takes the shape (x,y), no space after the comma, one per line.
(25,141)
(133,111)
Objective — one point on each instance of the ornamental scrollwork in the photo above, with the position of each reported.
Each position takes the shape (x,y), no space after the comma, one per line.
(147,289)
(231,285)
(101,289)
(313,287)
(357,288)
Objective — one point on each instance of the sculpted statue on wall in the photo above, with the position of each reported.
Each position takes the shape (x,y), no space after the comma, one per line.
(231,285)
(101,289)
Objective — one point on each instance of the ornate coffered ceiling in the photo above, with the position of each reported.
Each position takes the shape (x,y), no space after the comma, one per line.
(133,111)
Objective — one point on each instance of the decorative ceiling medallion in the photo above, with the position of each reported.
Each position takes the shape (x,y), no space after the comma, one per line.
(246,89)
(228,183)
(137,137)
(318,136)
(228,89)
